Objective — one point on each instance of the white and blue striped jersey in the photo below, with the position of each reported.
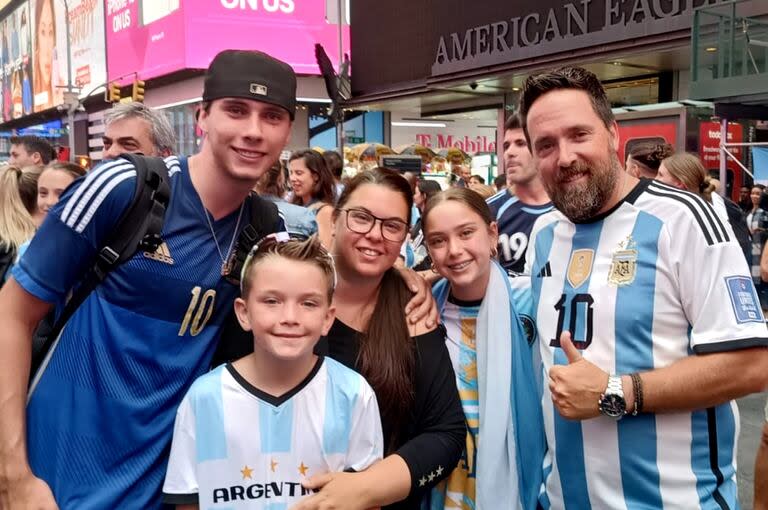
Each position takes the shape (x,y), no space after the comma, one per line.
(236,447)
(654,280)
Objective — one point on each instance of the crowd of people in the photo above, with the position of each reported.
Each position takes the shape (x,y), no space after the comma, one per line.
(549,342)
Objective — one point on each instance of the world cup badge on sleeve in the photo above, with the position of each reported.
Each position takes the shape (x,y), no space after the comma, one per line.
(623,263)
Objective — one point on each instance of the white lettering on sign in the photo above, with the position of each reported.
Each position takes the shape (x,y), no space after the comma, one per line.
(571,24)
(465,143)
(116,5)
(285,6)
(122,14)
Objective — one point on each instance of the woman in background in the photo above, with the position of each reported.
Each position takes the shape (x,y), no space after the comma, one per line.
(313,187)
(18,206)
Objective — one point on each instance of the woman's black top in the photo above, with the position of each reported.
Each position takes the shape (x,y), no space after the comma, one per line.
(432,440)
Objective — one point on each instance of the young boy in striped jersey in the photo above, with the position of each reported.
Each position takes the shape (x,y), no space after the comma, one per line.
(249,432)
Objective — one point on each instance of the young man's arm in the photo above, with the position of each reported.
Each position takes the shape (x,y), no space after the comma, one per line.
(61,252)
(20,312)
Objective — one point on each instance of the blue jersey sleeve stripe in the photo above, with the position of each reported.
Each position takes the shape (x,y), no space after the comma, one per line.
(568,434)
(30,285)
(95,175)
(79,204)
(101,196)
(640,476)
(495,197)
(341,394)
(509,203)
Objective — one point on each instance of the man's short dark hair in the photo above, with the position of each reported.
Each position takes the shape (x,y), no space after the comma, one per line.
(34,144)
(500,182)
(334,162)
(575,78)
(513,122)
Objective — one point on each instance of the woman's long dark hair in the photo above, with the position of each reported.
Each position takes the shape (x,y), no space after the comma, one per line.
(387,356)
(323,189)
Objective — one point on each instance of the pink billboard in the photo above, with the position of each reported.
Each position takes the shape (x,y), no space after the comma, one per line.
(144,36)
(156,37)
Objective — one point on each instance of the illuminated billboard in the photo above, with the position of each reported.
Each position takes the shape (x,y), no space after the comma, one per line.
(49,39)
(157,37)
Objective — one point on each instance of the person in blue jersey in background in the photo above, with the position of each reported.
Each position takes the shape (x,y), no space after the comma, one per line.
(99,414)
(281,413)
(517,208)
(482,309)
(644,350)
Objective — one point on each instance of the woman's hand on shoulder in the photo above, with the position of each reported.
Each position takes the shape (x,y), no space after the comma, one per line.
(422,307)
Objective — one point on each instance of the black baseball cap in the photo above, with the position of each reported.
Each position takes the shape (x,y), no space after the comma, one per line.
(251,75)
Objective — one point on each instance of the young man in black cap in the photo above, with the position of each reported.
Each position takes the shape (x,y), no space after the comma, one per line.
(99,414)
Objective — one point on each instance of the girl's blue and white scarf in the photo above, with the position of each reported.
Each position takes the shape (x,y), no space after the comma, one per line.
(511,436)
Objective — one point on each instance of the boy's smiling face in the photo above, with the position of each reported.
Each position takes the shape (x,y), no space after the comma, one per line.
(287,308)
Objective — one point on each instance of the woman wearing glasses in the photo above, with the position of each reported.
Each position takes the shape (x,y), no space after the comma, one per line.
(407,365)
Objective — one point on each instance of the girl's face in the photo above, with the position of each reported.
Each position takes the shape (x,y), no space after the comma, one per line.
(50,186)
(754,195)
(461,245)
(302,179)
(370,254)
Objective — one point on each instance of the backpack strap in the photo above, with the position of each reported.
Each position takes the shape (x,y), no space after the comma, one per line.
(265,220)
(138,228)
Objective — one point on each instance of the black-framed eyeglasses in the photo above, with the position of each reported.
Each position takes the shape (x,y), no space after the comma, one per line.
(361,221)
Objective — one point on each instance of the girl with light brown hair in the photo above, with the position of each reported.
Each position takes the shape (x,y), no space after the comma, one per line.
(18,208)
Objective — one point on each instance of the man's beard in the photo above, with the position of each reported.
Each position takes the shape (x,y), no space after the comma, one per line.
(583,201)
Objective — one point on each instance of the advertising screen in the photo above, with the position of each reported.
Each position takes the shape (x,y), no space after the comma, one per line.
(157,37)
(17,63)
(49,59)
(145,36)
(286,29)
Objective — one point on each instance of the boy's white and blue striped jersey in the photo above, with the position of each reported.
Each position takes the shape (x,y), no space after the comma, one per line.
(100,415)
(236,447)
(657,279)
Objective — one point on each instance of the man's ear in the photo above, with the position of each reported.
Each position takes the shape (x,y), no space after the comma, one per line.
(241,311)
(37,158)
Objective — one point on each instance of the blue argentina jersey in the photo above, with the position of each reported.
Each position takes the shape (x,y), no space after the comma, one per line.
(236,447)
(515,221)
(100,415)
(656,280)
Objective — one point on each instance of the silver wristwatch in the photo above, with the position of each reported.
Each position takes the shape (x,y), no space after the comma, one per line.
(612,402)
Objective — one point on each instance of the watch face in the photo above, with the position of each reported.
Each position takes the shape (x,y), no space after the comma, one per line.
(613,406)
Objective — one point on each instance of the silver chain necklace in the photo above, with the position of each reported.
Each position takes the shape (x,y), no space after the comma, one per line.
(216,240)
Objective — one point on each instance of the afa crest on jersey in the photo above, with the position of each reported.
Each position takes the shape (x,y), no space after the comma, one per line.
(623,263)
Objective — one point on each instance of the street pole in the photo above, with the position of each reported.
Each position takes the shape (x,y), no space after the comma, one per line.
(71,105)
(340,112)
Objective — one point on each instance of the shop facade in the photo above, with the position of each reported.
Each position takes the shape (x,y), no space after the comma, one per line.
(449,59)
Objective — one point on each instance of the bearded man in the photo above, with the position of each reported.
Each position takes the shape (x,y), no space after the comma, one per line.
(648,321)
